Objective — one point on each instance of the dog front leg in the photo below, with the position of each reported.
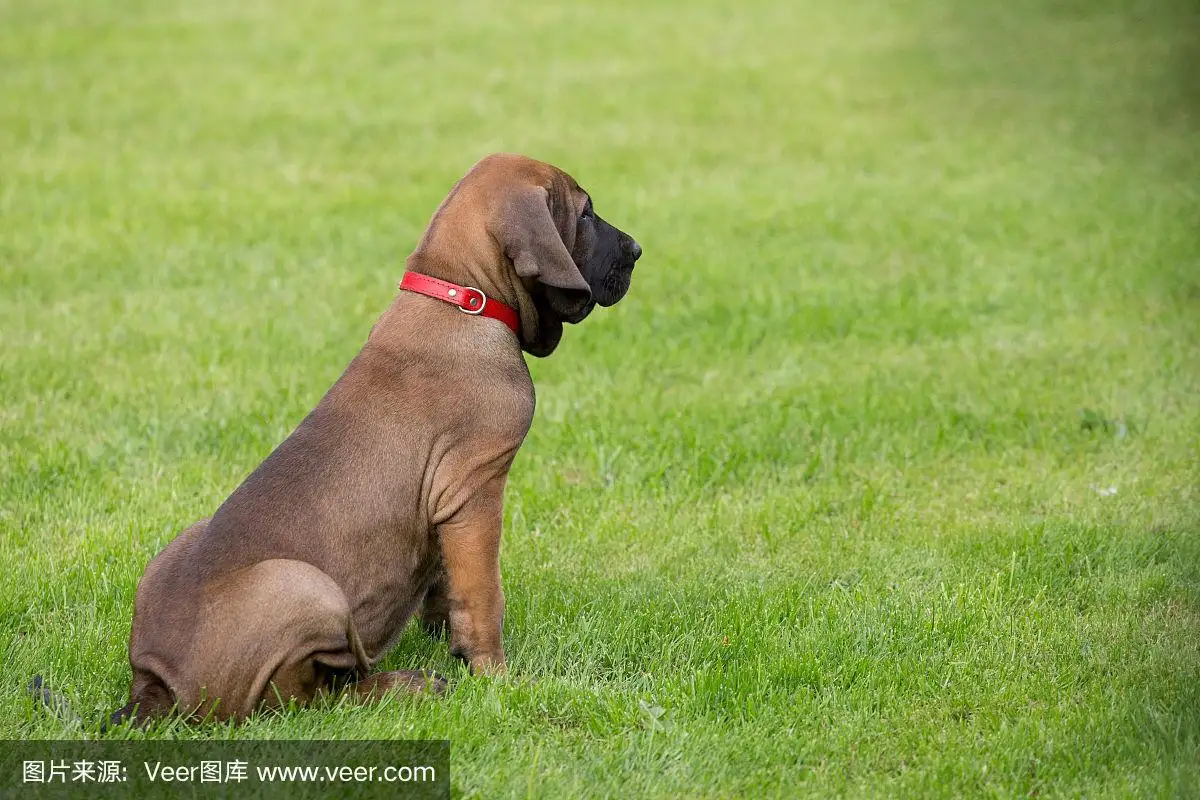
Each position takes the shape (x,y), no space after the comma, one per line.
(470,544)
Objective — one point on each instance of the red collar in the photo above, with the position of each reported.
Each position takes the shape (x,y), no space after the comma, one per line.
(468,299)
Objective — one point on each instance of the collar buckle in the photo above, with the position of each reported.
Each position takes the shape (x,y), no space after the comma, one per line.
(473,301)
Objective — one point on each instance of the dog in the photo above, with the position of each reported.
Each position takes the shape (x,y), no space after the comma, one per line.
(387,499)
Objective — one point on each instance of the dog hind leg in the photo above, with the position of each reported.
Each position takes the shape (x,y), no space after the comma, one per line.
(279,631)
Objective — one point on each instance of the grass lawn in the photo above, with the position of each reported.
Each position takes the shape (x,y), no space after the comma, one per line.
(882,481)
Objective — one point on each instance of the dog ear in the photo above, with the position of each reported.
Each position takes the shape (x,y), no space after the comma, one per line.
(548,333)
(539,249)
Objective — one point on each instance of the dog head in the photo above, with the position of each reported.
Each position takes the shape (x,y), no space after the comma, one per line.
(558,257)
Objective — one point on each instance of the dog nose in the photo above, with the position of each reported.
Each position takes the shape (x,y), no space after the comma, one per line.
(635,249)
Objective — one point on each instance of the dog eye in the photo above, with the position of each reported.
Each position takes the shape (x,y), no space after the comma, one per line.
(588,212)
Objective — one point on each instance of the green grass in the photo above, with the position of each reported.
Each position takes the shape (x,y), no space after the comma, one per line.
(882,481)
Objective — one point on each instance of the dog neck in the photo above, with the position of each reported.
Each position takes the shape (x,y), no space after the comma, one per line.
(498,282)
(467,299)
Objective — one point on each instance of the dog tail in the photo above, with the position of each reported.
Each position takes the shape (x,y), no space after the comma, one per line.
(57,704)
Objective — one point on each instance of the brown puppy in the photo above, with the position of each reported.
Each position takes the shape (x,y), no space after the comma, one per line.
(389,494)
